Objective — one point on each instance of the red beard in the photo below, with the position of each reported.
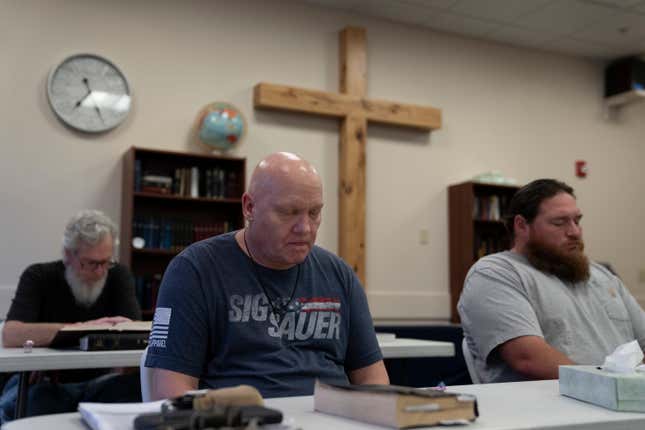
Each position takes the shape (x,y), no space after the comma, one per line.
(571,266)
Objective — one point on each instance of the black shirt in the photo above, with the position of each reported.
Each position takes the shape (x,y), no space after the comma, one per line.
(43,295)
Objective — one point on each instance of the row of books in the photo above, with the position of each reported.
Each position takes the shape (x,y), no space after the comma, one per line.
(211,182)
(146,289)
(490,208)
(175,234)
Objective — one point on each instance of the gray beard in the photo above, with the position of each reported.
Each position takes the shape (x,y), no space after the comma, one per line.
(84,293)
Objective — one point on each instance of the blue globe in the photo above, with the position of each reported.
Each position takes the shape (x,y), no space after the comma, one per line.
(221,126)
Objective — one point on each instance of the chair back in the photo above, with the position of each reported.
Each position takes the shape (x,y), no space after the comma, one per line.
(468,357)
(145,374)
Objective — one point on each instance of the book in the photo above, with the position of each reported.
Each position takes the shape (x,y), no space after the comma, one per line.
(394,406)
(113,341)
(157,180)
(194,182)
(69,336)
(616,391)
(155,189)
(494,213)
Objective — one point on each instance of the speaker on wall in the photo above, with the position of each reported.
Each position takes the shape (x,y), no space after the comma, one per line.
(623,75)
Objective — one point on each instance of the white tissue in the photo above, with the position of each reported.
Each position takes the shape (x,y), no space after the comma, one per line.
(624,359)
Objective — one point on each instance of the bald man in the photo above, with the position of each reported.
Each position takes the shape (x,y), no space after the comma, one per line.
(264,306)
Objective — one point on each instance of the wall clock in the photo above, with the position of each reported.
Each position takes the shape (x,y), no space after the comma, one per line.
(89,93)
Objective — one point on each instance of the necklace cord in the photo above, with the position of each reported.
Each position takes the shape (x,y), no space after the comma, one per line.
(277,313)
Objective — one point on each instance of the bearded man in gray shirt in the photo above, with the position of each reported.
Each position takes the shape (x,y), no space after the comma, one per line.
(543,303)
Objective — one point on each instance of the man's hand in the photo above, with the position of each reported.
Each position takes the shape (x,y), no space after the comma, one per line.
(105,320)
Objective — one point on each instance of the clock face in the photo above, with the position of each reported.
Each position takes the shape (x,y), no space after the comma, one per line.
(89,93)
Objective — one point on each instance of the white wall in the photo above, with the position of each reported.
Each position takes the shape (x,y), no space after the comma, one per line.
(527,113)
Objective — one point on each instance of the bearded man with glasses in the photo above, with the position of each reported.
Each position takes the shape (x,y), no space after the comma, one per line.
(86,286)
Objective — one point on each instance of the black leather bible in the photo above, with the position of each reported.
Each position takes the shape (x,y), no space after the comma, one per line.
(113,341)
(125,335)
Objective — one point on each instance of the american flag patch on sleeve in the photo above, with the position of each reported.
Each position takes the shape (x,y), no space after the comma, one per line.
(160,324)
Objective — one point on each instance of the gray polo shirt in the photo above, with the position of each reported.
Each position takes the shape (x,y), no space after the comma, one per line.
(504,297)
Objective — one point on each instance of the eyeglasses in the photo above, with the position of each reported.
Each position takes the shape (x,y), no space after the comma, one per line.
(93,265)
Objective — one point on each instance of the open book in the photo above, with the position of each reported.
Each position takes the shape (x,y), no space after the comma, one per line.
(394,406)
(117,336)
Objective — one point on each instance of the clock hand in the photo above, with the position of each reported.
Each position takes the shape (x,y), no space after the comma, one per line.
(87,85)
(78,103)
(87,94)
(99,112)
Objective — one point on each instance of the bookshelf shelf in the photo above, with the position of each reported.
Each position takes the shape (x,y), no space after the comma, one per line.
(475,213)
(144,195)
(171,199)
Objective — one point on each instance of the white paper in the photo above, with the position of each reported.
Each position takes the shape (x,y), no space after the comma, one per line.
(115,416)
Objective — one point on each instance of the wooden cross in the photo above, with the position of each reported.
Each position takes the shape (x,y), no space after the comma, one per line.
(354,110)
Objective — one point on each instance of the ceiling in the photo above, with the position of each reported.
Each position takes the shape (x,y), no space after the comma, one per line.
(598,29)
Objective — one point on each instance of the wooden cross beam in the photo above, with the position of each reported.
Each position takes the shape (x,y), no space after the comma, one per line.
(354,110)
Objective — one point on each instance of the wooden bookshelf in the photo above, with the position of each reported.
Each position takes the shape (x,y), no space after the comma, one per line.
(476,228)
(171,199)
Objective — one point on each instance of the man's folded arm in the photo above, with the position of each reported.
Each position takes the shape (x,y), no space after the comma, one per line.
(167,384)
(16,333)
(532,357)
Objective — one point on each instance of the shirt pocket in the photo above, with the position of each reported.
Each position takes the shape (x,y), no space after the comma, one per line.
(616,310)
(618,315)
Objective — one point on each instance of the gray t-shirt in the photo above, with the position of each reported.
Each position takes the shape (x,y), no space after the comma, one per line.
(504,297)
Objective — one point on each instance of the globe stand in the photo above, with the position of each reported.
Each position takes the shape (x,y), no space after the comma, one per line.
(219,152)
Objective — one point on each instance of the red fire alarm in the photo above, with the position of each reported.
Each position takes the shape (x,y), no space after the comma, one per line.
(581,169)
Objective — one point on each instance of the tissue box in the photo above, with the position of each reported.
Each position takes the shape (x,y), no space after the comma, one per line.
(617,391)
